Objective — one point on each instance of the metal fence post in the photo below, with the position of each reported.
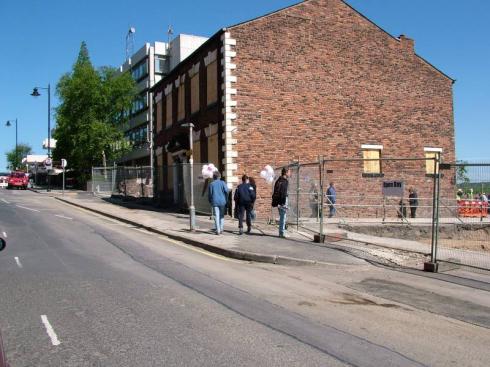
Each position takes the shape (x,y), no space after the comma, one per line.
(93,179)
(321,168)
(432,265)
(297,195)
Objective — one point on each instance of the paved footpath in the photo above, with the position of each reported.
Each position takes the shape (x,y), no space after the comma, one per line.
(262,245)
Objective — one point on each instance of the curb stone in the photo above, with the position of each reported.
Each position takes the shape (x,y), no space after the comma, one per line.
(233,254)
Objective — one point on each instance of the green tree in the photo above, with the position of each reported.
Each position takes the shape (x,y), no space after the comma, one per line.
(92,106)
(14,158)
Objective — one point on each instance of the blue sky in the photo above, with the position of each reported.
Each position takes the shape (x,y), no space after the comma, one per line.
(40,40)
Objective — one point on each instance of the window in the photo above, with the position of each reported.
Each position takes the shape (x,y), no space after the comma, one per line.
(140,103)
(430,154)
(212,83)
(168,117)
(195,93)
(160,172)
(213,153)
(372,156)
(159,116)
(160,64)
(140,71)
(181,109)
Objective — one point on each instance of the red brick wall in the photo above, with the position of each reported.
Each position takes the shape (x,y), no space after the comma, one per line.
(320,79)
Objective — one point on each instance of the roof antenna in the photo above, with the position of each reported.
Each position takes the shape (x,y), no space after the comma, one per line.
(130,42)
(170,33)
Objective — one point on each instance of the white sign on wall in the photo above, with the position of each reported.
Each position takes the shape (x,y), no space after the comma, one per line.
(393,188)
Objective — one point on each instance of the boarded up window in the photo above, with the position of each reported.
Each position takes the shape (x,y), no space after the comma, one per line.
(430,167)
(181,110)
(168,119)
(373,165)
(196,151)
(213,150)
(195,93)
(212,84)
(160,172)
(170,172)
(159,117)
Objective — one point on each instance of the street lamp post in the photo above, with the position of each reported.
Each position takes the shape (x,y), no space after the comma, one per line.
(35,93)
(192,209)
(8,124)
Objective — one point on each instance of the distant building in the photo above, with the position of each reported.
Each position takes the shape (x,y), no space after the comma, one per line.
(315,78)
(148,66)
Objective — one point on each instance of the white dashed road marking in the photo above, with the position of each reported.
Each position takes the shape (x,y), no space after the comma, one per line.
(18,262)
(5,201)
(50,330)
(62,216)
(23,207)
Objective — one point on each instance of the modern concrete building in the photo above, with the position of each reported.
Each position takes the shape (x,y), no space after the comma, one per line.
(148,66)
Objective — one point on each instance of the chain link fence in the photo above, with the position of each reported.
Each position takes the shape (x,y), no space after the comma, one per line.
(135,182)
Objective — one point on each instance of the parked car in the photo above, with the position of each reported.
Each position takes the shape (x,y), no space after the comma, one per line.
(18,180)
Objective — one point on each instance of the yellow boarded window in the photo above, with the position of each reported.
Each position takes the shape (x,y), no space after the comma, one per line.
(160,171)
(212,84)
(430,168)
(372,166)
(181,110)
(168,119)
(195,93)
(213,150)
(159,117)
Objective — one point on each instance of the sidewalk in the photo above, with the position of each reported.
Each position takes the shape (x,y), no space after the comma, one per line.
(262,245)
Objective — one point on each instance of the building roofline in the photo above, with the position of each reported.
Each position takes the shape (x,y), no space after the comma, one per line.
(356,11)
(197,50)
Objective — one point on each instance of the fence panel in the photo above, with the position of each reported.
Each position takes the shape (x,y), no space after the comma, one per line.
(464,224)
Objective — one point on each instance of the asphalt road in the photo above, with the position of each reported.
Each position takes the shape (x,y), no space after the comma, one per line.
(81,290)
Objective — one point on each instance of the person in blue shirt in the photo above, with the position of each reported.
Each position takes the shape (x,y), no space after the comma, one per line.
(218,197)
(331,199)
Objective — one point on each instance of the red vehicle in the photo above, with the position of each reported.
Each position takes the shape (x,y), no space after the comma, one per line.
(18,180)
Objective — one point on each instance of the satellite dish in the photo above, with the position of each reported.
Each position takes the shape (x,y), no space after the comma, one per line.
(132,30)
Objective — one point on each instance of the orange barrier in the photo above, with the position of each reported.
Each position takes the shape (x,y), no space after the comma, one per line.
(472,208)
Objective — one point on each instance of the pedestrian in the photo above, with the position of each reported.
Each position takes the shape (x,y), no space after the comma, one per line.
(244,199)
(331,200)
(413,201)
(218,196)
(314,204)
(251,180)
(280,200)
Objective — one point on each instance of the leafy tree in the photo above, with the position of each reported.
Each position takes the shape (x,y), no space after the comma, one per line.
(14,158)
(92,105)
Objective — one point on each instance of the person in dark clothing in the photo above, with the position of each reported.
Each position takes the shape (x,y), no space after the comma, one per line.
(280,200)
(413,200)
(244,199)
(331,200)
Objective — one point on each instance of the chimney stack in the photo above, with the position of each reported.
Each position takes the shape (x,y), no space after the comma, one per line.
(406,43)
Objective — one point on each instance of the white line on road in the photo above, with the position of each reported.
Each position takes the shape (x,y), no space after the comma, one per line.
(18,262)
(4,234)
(62,216)
(49,330)
(5,201)
(23,207)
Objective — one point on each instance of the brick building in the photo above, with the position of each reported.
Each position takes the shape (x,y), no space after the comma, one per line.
(316,78)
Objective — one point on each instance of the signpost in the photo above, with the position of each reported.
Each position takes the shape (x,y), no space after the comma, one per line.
(63,165)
